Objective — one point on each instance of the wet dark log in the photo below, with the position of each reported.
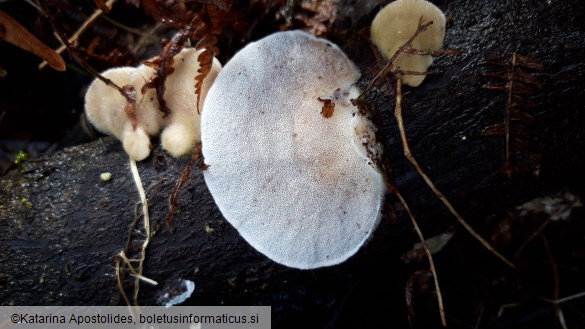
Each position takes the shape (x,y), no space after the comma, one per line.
(61,225)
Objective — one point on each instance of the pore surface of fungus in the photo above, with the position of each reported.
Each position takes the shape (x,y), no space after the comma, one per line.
(302,188)
(397,22)
(104,106)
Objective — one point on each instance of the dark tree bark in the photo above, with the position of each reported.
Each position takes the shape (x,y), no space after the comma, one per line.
(61,225)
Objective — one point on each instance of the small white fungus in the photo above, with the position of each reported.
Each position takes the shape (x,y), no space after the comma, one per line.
(105,106)
(397,22)
(105,176)
(301,188)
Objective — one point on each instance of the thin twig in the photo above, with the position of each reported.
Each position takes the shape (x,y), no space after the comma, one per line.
(80,30)
(507,124)
(119,279)
(34,5)
(397,108)
(441,196)
(148,35)
(504,307)
(480,317)
(125,27)
(427,252)
(73,52)
(565,299)
(557,282)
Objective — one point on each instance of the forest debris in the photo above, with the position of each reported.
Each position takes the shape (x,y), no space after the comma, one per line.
(79,31)
(318,16)
(315,17)
(14,33)
(435,244)
(420,281)
(204,26)
(518,84)
(557,207)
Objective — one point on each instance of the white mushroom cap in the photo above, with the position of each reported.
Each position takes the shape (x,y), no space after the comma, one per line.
(178,137)
(301,188)
(105,106)
(397,22)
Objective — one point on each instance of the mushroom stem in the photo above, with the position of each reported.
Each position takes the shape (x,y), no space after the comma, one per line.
(146,217)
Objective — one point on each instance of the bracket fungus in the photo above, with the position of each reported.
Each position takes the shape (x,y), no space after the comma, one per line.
(302,188)
(104,106)
(396,23)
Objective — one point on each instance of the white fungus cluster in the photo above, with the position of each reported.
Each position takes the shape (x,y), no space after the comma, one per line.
(396,23)
(301,188)
(105,106)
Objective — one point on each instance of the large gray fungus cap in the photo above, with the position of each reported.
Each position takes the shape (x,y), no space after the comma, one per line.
(300,186)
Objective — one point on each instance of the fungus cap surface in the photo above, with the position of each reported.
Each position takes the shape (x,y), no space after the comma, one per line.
(397,22)
(301,188)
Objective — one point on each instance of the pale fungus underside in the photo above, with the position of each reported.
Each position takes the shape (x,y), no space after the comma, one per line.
(302,188)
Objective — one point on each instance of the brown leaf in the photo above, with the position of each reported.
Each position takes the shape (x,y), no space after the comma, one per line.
(521,116)
(205,60)
(501,74)
(495,86)
(529,62)
(498,129)
(523,76)
(502,61)
(520,130)
(521,88)
(520,60)
(519,144)
(16,34)
(511,167)
(519,101)
(517,74)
